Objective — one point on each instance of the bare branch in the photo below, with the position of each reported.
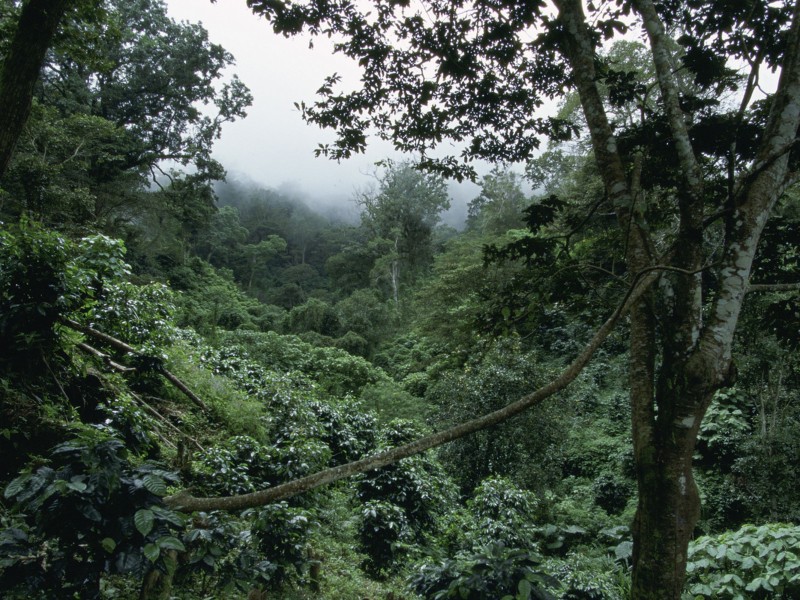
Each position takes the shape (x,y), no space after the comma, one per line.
(123,347)
(185,501)
(104,357)
(773,287)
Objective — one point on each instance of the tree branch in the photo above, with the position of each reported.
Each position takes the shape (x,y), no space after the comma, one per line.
(104,357)
(123,347)
(690,168)
(185,501)
(773,287)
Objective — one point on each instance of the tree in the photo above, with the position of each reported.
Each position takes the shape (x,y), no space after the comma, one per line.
(401,216)
(259,255)
(119,93)
(33,35)
(499,206)
(476,73)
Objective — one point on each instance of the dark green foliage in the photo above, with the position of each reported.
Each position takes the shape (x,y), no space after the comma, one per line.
(347,429)
(526,448)
(496,572)
(282,534)
(237,466)
(402,502)
(87,514)
(222,552)
(334,370)
(498,512)
(766,474)
(724,429)
(315,315)
(384,535)
(36,289)
(612,493)
(752,562)
(210,300)
(585,577)
(45,277)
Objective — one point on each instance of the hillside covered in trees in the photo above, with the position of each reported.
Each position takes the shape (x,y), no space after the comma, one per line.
(589,391)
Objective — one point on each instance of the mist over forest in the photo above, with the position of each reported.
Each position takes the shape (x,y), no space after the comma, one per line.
(342,208)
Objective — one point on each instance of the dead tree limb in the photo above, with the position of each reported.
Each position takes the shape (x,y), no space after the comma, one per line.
(123,347)
(164,420)
(183,500)
(104,357)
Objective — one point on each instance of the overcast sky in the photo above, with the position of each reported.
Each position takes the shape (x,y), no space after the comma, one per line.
(273,146)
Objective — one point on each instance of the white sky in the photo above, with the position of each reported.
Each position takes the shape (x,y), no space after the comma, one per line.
(273,146)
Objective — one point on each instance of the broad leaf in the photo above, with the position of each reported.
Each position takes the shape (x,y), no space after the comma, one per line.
(143,519)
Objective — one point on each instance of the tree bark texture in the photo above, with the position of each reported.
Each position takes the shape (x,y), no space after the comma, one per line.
(668,403)
(37,25)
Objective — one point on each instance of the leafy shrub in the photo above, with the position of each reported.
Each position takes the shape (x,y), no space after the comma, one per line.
(404,500)
(140,315)
(89,514)
(392,402)
(612,493)
(751,562)
(526,448)
(221,548)
(37,287)
(498,512)
(348,429)
(492,573)
(282,533)
(237,466)
(332,369)
(584,577)
(766,474)
(723,429)
(384,534)
(242,465)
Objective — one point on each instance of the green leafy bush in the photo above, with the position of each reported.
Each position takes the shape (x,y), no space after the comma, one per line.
(332,369)
(586,577)
(495,572)
(282,533)
(38,285)
(222,552)
(403,501)
(751,562)
(527,448)
(89,514)
(384,534)
(499,512)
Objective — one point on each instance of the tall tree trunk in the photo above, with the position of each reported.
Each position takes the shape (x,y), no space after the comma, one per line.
(669,502)
(37,25)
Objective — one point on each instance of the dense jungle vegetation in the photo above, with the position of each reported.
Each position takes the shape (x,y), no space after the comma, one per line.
(165,333)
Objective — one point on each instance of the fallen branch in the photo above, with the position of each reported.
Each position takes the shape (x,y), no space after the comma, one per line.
(183,500)
(123,347)
(162,419)
(104,357)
